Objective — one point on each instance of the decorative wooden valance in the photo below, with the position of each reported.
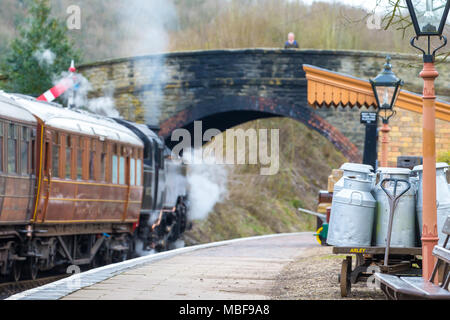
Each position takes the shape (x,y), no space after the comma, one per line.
(333,89)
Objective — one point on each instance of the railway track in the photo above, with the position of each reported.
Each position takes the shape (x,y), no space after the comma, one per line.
(10,288)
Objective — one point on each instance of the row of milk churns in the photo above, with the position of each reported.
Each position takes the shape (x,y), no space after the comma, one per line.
(360,208)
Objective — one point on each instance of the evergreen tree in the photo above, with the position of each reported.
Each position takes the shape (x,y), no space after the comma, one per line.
(40,53)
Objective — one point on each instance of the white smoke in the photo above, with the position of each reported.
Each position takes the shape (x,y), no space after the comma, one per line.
(44,57)
(104,106)
(207,185)
(140,251)
(145,24)
(178,244)
(153,99)
(144,30)
(81,91)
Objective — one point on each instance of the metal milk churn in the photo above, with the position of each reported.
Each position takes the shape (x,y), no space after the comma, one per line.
(404,222)
(352,214)
(362,171)
(442,197)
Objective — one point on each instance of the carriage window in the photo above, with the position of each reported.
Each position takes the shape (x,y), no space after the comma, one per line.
(132,172)
(12,148)
(103,163)
(24,150)
(1,146)
(114,169)
(80,159)
(138,171)
(47,157)
(68,157)
(55,156)
(122,170)
(92,161)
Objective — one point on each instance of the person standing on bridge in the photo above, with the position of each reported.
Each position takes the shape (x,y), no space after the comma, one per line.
(291,43)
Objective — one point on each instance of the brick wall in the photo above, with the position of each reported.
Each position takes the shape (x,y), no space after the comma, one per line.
(406,135)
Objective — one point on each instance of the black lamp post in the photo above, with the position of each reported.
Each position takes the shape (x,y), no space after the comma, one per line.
(386,89)
(429,18)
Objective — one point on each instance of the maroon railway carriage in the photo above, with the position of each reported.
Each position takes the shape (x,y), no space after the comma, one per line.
(17,178)
(87,196)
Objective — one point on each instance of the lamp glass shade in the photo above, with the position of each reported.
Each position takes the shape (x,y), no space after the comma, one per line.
(386,87)
(386,96)
(428,16)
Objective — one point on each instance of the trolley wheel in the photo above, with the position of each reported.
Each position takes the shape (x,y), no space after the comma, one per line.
(346,286)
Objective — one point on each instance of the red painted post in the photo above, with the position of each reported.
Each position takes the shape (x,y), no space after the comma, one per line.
(429,227)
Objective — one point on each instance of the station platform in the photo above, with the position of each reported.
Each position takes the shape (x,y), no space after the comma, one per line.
(242,269)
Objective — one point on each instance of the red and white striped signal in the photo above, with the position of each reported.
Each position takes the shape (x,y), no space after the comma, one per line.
(64,85)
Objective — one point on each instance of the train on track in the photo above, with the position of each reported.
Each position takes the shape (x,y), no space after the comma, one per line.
(82,189)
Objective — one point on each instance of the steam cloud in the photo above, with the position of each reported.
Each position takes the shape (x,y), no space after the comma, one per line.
(207,186)
(141,252)
(146,23)
(44,57)
(178,244)
(104,106)
(144,26)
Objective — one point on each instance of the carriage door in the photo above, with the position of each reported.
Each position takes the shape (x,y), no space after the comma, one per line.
(47,176)
(2,169)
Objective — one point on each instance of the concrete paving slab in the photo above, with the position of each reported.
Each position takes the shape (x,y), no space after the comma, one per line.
(245,270)
(235,269)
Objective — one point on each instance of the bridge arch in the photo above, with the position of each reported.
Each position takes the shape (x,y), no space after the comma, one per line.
(229,111)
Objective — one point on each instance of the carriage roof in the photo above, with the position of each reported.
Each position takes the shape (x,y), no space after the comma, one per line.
(78,121)
(11,110)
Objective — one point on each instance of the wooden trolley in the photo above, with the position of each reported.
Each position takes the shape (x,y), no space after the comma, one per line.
(402,262)
(398,261)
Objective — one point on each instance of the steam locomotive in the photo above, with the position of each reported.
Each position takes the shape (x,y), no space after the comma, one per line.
(81,189)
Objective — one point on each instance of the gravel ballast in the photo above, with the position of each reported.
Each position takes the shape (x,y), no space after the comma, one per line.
(314,276)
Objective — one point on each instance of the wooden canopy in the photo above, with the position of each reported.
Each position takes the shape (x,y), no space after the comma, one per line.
(333,89)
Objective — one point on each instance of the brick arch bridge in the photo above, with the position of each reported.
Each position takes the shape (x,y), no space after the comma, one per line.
(228,87)
(229,111)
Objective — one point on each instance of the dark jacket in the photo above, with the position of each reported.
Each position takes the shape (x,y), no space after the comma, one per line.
(288,45)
